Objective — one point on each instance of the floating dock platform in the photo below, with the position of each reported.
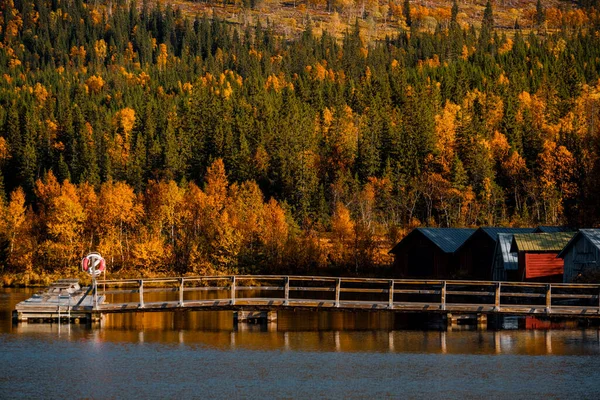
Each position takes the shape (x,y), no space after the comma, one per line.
(62,300)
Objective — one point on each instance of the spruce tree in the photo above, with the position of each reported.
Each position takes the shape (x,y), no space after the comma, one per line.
(540,14)
(406,12)
(487,27)
(488,17)
(172,162)
(454,13)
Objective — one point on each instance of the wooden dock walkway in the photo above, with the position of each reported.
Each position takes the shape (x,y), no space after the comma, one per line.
(63,299)
(272,293)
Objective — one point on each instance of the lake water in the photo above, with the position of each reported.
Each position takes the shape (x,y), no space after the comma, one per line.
(303,355)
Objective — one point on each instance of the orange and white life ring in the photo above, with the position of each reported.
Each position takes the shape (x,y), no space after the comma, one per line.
(93,264)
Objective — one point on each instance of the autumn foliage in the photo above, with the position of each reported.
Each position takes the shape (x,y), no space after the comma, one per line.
(223,228)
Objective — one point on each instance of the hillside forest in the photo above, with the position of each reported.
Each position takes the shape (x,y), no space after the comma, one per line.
(175,143)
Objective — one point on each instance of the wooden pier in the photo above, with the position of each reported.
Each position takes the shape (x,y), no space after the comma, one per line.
(62,300)
(267,294)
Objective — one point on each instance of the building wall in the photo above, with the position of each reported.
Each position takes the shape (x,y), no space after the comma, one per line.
(421,262)
(475,258)
(498,271)
(419,258)
(581,257)
(501,274)
(540,267)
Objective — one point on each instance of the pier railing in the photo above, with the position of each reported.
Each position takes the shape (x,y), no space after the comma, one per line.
(269,292)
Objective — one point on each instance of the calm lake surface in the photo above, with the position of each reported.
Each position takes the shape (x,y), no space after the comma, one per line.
(303,355)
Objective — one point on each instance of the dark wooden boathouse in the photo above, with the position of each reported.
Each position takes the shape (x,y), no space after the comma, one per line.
(429,253)
(476,254)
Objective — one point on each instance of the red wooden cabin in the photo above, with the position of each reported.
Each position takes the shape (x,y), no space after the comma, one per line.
(537,255)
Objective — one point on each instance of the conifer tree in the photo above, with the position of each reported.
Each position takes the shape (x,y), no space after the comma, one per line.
(487,27)
(540,14)
(488,17)
(454,12)
(406,13)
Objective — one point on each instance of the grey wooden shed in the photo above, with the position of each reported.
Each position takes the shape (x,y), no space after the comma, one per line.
(581,255)
(505,265)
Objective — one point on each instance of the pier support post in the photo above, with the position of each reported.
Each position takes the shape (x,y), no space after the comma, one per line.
(548,298)
(338,287)
(181,288)
(141,290)
(481,321)
(450,321)
(95,289)
(286,293)
(443,296)
(497,297)
(254,317)
(391,295)
(233,290)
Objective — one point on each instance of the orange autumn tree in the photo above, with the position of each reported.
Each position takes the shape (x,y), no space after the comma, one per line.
(118,213)
(558,167)
(445,135)
(274,233)
(223,239)
(62,220)
(17,231)
(342,229)
(245,207)
(155,241)
(192,250)
(163,201)
(366,225)
(339,134)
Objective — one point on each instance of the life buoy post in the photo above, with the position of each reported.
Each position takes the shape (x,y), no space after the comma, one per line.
(94,265)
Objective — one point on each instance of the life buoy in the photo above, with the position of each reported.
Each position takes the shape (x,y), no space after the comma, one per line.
(93,264)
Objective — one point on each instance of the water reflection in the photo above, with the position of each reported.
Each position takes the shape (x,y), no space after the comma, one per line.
(565,342)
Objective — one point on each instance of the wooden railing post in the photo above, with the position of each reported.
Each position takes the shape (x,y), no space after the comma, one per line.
(181,288)
(286,292)
(95,297)
(548,299)
(233,290)
(338,287)
(443,296)
(497,297)
(141,289)
(391,294)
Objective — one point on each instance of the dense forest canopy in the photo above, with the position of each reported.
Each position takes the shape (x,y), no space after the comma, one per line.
(194,145)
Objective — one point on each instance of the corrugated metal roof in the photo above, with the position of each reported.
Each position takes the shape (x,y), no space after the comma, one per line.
(551,229)
(447,239)
(510,259)
(592,235)
(540,241)
(493,231)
